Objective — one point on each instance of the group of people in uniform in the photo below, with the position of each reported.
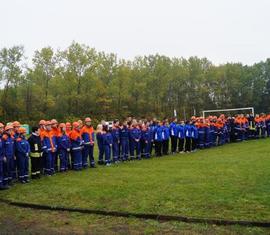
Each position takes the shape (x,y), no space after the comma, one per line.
(57,147)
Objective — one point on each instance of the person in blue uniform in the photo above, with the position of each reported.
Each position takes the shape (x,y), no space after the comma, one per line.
(146,140)
(152,129)
(194,136)
(116,141)
(174,135)
(166,138)
(158,138)
(181,136)
(188,135)
(3,183)
(124,140)
(23,150)
(107,144)
(63,147)
(9,155)
(99,136)
(135,141)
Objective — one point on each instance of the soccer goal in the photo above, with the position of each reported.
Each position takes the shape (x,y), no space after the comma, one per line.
(204,112)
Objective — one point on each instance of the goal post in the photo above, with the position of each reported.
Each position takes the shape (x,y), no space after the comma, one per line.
(204,112)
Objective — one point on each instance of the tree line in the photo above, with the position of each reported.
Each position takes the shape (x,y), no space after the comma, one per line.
(80,81)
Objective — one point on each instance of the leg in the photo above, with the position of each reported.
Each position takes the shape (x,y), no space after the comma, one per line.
(85,153)
(52,163)
(48,159)
(132,148)
(26,169)
(33,167)
(115,151)
(91,156)
(127,150)
(138,150)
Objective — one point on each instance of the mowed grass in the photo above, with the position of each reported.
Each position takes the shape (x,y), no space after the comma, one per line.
(228,182)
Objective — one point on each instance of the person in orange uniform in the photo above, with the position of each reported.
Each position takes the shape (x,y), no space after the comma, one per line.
(16,127)
(76,146)
(267,123)
(9,155)
(68,128)
(49,147)
(68,131)
(55,132)
(87,133)
(258,126)
(42,128)
(15,133)
(63,147)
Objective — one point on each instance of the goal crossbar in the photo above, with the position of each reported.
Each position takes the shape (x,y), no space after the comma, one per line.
(226,110)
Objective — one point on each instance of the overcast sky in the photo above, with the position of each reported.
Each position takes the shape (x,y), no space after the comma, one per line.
(221,30)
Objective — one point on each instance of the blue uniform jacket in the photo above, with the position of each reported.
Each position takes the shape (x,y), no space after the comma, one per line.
(188,131)
(107,139)
(173,129)
(9,145)
(1,149)
(166,132)
(152,130)
(46,143)
(124,133)
(63,142)
(99,139)
(115,135)
(22,146)
(159,134)
(146,135)
(135,134)
(88,135)
(181,131)
(194,132)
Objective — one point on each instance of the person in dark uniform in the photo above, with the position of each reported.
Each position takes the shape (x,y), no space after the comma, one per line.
(35,153)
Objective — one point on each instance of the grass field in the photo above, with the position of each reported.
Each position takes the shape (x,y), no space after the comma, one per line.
(228,182)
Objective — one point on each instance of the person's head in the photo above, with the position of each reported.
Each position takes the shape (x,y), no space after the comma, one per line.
(9,129)
(16,126)
(106,128)
(54,123)
(116,123)
(62,127)
(88,121)
(48,126)
(76,126)
(42,124)
(22,131)
(35,130)
(80,122)
(99,128)
(1,128)
(68,126)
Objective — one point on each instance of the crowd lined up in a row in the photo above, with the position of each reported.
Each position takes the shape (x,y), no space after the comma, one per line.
(54,147)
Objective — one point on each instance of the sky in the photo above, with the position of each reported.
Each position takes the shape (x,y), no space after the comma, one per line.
(221,30)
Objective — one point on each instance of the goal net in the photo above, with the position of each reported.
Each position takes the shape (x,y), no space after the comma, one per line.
(223,111)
